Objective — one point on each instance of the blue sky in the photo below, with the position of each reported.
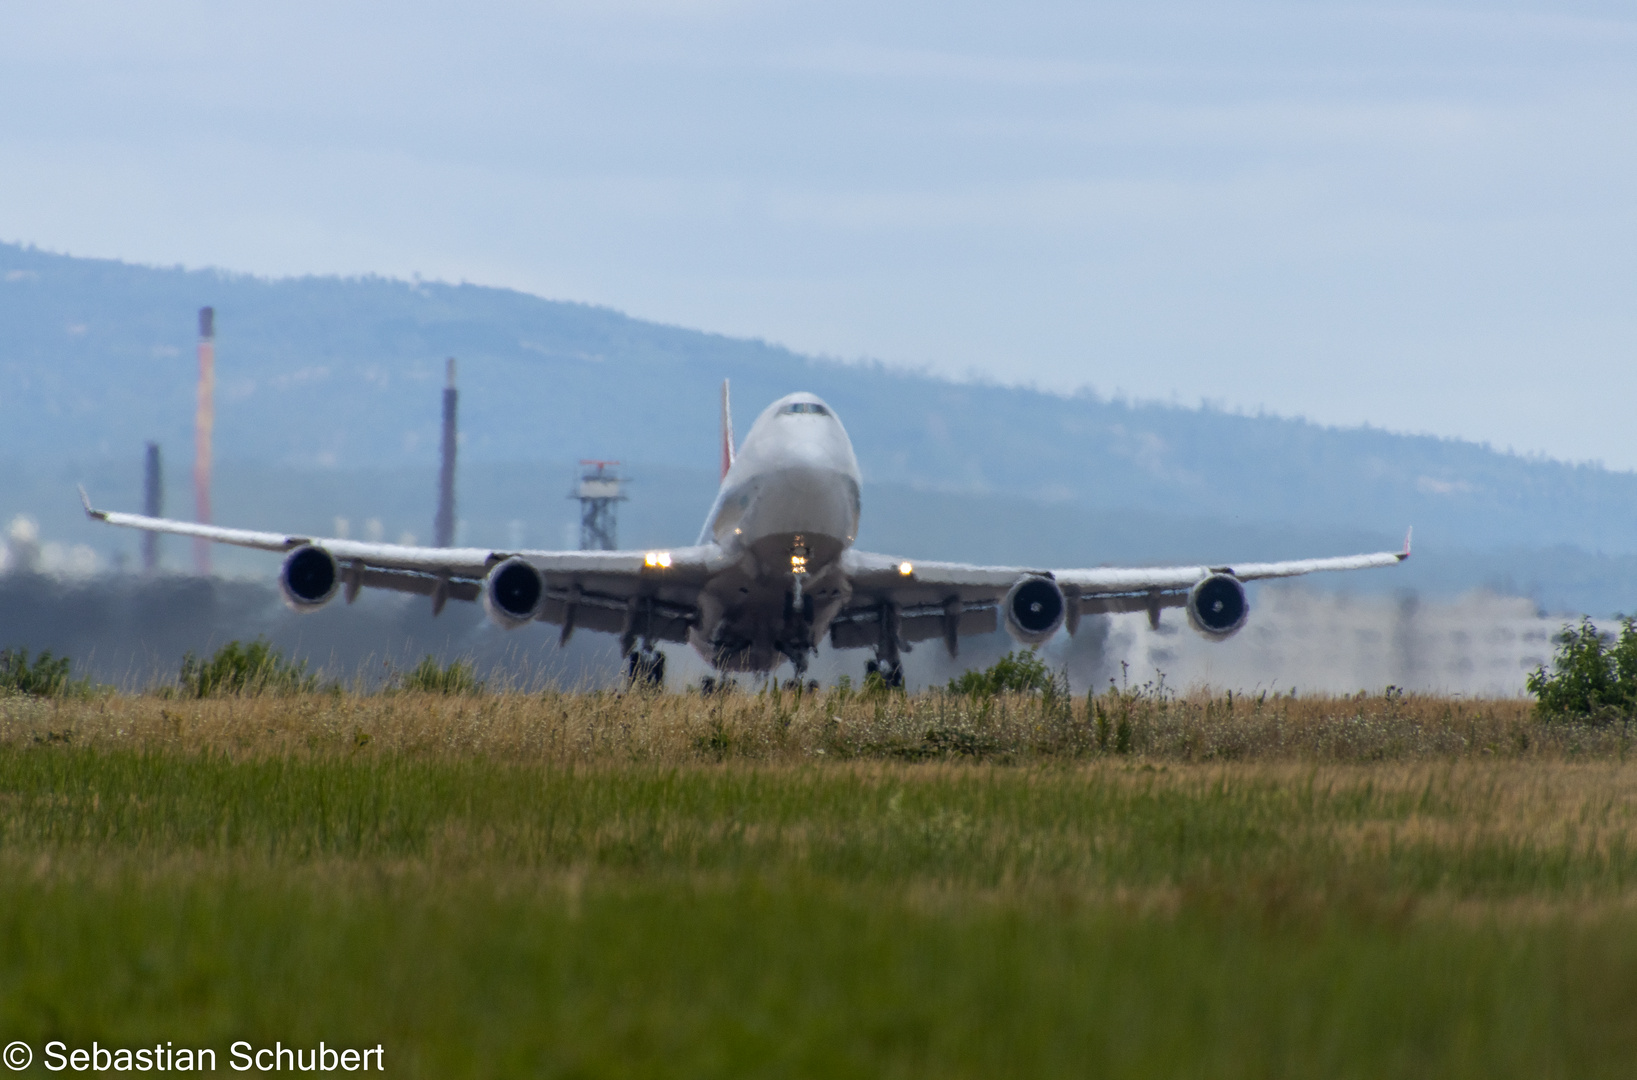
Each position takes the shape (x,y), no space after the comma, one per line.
(1422,217)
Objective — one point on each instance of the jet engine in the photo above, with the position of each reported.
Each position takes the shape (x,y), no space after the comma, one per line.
(1034,609)
(308,578)
(1217,606)
(512,593)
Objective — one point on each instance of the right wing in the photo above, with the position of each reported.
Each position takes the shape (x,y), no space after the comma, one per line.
(649,594)
(950,600)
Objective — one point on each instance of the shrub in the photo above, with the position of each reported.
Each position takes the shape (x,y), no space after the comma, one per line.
(45,677)
(1593,676)
(245,671)
(429,678)
(1020,672)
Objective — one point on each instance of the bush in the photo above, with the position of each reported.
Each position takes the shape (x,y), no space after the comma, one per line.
(1593,676)
(46,677)
(1020,672)
(428,678)
(245,671)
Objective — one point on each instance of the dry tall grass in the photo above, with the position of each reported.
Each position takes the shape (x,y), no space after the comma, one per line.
(556,727)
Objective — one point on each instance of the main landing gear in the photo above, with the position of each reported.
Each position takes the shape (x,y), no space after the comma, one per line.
(888,665)
(890,672)
(645,669)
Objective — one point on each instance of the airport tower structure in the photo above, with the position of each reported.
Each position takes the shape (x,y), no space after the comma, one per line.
(600,493)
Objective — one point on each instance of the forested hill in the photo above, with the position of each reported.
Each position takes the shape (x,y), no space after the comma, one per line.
(96,357)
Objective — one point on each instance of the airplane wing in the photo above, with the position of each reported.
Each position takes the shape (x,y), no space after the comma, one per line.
(952,600)
(637,594)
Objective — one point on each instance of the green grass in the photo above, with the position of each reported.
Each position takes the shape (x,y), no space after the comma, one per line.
(966,828)
(482,916)
(458,978)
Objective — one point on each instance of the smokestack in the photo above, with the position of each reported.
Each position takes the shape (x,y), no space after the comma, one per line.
(443,526)
(153,504)
(203,423)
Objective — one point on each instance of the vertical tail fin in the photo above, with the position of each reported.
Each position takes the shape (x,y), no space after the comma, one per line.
(727,431)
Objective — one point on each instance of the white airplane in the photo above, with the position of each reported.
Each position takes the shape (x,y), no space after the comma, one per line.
(774,571)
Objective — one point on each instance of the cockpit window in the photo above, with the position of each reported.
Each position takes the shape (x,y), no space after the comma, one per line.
(812,407)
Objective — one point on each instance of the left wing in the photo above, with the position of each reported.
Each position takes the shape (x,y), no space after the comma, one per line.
(647,594)
(950,600)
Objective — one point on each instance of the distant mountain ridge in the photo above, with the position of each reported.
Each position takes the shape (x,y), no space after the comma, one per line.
(96,357)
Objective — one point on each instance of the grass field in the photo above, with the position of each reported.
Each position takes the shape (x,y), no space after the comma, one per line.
(567,885)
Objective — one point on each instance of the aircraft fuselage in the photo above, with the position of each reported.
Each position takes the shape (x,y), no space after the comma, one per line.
(787,510)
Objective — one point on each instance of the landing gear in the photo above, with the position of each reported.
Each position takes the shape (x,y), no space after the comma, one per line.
(710,684)
(798,660)
(890,672)
(797,637)
(887,666)
(645,669)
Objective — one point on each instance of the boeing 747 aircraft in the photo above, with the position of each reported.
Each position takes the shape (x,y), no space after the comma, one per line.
(773,571)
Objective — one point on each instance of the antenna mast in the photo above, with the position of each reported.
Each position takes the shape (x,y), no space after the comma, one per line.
(204,422)
(153,505)
(443,526)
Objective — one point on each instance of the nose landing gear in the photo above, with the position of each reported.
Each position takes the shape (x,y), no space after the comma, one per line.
(796,640)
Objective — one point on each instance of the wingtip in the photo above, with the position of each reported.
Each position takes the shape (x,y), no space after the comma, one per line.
(1406,552)
(85,500)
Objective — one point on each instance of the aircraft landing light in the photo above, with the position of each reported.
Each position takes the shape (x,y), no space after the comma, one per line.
(906,569)
(657,559)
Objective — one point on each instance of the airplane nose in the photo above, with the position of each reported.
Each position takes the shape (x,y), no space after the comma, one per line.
(804,499)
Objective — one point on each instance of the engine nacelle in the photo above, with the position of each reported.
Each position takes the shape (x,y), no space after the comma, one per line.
(309,578)
(1034,609)
(1217,606)
(512,593)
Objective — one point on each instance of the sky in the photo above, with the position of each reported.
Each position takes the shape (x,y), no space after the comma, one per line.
(1417,216)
